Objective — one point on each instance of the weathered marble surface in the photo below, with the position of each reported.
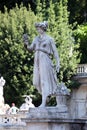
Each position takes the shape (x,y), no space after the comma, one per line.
(48,112)
(48,118)
(78,100)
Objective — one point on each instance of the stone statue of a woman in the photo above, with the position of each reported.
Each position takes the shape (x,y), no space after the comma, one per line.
(44,77)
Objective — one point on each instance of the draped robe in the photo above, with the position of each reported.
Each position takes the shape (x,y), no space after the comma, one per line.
(44,76)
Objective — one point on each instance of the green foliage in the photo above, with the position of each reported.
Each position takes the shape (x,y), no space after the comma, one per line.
(15,62)
(78,11)
(81,35)
(62,31)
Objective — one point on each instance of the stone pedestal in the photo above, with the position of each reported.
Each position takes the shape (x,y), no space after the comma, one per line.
(47,126)
(48,118)
(78,100)
(12,127)
(61,101)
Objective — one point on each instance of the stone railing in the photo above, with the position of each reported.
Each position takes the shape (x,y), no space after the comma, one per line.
(82,70)
(12,119)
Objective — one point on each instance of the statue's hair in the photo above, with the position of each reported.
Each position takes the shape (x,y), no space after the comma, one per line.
(43,25)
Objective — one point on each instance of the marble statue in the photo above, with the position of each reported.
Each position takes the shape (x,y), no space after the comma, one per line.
(28,103)
(44,74)
(3,107)
(2,83)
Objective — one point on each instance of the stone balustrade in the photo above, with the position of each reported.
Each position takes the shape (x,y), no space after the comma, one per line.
(12,119)
(82,70)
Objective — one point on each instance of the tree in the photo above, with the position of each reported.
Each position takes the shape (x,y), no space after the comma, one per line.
(78,11)
(81,35)
(62,32)
(10,4)
(15,62)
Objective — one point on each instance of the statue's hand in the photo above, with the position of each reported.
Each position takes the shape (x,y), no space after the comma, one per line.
(25,39)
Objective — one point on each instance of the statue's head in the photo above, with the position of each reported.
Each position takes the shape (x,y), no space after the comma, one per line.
(28,99)
(2,81)
(43,25)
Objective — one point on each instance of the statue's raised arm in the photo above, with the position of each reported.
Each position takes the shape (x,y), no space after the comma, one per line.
(25,40)
(27,43)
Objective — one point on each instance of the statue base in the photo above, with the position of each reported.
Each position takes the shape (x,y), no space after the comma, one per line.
(60,111)
(47,118)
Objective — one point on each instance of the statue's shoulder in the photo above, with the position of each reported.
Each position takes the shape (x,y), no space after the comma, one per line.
(50,38)
(35,39)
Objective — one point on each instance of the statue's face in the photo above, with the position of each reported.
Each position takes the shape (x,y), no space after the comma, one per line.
(28,99)
(40,30)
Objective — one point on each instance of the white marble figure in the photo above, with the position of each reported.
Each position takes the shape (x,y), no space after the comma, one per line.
(28,103)
(62,89)
(44,76)
(2,83)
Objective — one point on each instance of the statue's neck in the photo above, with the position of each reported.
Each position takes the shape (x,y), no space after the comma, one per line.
(42,35)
